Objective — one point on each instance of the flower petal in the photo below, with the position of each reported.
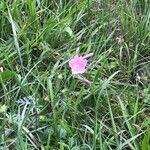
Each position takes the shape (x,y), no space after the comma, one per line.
(78,65)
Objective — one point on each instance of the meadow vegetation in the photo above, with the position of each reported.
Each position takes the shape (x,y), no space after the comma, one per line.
(43,106)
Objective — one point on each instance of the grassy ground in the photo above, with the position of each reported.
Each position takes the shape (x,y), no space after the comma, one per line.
(43,106)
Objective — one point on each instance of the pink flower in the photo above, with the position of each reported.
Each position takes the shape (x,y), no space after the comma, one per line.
(78,63)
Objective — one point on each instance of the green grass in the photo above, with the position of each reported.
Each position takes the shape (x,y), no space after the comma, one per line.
(43,106)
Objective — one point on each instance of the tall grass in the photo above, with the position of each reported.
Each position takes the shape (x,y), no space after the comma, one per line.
(43,106)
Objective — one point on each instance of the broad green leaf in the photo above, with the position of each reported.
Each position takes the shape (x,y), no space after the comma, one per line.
(6,75)
(69,31)
(146,141)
